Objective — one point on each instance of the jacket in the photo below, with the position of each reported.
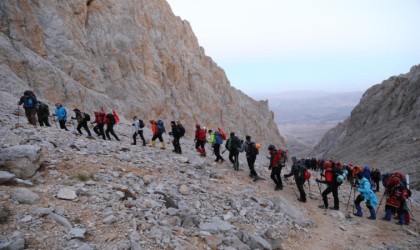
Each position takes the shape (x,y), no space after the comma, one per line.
(43,110)
(136,125)
(273,160)
(61,113)
(154,128)
(99,117)
(29,102)
(212,139)
(365,190)
(175,131)
(295,171)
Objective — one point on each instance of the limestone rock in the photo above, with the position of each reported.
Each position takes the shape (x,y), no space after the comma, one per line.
(24,196)
(66,194)
(6,176)
(22,160)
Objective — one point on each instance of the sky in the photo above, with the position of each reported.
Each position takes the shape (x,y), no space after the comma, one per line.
(287,45)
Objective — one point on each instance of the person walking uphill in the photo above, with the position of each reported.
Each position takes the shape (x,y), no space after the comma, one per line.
(367,195)
(331,172)
(251,151)
(61,114)
(216,140)
(82,120)
(298,170)
(99,120)
(200,139)
(177,131)
(29,102)
(138,130)
(43,112)
(277,162)
(232,145)
(157,129)
(110,122)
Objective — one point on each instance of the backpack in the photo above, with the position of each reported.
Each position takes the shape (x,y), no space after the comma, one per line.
(87,117)
(307,175)
(218,137)
(222,134)
(252,149)
(111,119)
(141,124)
(181,130)
(202,134)
(301,169)
(228,144)
(161,127)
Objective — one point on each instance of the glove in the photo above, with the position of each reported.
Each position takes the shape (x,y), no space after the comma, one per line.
(285,176)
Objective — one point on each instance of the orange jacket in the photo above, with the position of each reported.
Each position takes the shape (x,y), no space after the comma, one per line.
(154,127)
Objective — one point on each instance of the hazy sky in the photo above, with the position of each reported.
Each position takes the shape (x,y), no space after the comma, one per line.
(333,45)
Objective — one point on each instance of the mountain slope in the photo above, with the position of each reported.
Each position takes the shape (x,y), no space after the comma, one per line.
(133,56)
(383,130)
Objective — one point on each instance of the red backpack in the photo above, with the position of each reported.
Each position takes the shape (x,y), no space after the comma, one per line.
(307,175)
(222,134)
(202,134)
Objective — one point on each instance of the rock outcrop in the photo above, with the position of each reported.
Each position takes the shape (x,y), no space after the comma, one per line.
(383,130)
(136,57)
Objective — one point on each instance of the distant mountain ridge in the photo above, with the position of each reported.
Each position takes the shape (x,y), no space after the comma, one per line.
(304,116)
(383,130)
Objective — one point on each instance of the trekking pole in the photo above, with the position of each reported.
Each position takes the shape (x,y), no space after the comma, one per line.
(354,197)
(348,202)
(380,203)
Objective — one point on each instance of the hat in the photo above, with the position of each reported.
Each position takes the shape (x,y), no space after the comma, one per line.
(232,134)
(197,125)
(76,110)
(248,138)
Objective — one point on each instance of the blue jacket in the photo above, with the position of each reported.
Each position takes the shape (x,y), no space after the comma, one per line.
(28,102)
(365,190)
(61,113)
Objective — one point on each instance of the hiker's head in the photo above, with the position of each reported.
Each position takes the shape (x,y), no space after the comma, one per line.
(57,104)
(134,117)
(248,138)
(152,121)
(210,131)
(197,125)
(359,175)
(232,134)
(76,110)
(172,123)
(271,147)
(294,159)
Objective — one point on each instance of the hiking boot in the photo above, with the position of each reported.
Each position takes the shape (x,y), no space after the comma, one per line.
(278,188)
(256,178)
(221,161)
(133,143)
(334,208)
(323,206)
(302,200)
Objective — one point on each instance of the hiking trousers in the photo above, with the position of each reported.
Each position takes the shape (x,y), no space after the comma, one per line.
(177,146)
(43,120)
(31,115)
(158,135)
(99,130)
(334,189)
(110,129)
(250,159)
(63,124)
(233,156)
(84,126)
(216,148)
(299,184)
(140,132)
(276,176)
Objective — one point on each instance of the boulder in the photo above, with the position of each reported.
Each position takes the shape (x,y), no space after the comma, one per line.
(22,160)
(24,196)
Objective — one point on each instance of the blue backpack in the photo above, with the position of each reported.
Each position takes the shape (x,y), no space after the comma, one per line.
(218,137)
(161,127)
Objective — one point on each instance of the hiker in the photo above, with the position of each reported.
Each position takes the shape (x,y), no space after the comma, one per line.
(110,121)
(200,139)
(397,191)
(251,151)
(138,130)
(29,102)
(61,114)
(277,162)
(376,178)
(82,119)
(232,145)
(298,170)
(367,195)
(216,140)
(99,120)
(332,171)
(157,131)
(176,132)
(43,111)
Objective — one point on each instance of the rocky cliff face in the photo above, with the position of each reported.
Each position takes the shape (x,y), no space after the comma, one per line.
(132,56)
(383,130)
